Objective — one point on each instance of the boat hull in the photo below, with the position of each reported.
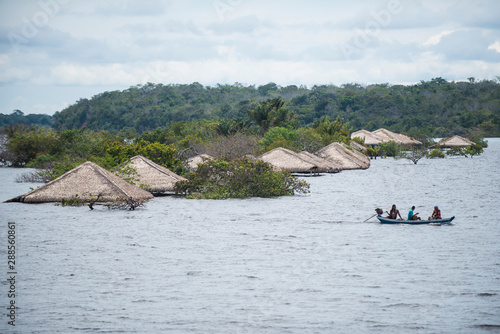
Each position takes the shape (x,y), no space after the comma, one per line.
(384,220)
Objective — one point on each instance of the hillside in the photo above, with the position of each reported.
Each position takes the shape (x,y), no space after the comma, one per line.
(436,108)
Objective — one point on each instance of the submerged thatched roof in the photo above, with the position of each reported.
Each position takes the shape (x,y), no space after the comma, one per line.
(287,160)
(409,140)
(193,162)
(343,157)
(361,158)
(87,181)
(399,138)
(455,141)
(324,166)
(369,137)
(153,177)
(358,146)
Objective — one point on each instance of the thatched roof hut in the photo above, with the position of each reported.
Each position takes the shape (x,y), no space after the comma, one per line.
(288,160)
(399,138)
(86,181)
(343,157)
(409,140)
(156,178)
(193,162)
(358,146)
(455,141)
(369,137)
(324,166)
(357,156)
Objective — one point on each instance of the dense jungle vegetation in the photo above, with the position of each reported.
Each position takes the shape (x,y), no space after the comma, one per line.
(169,124)
(435,108)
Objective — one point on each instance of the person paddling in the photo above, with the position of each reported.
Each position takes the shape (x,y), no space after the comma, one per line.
(411,215)
(394,213)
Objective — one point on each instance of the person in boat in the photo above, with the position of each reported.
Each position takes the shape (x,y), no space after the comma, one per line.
(394,213)
(436,214)
(412,215)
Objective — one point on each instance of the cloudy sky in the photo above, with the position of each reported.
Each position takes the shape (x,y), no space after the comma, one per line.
(54,52)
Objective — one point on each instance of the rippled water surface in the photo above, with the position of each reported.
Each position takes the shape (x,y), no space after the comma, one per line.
(299,264)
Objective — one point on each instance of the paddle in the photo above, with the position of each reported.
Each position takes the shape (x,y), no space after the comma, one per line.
(370,218)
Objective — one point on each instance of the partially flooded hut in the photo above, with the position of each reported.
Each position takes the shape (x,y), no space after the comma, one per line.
(368,137)
(343,157)
(358,146)
(409,141)
(290,161)
(153,177)
(358,156)
(455,141)
(398,138)
(86,181)
(324,166)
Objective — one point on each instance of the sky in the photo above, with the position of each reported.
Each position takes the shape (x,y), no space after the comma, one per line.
(56,52)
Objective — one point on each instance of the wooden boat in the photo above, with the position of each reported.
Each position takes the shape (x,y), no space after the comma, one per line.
(384,220)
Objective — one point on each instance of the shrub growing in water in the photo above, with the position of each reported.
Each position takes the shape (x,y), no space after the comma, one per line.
(389,149)
(239,178)
(436,153)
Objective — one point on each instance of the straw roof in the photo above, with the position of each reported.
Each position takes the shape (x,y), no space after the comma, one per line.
(287,160)
(399,138)
(85,181)
(324,166)
(387,136)
(193,162)
(455,141)
(157,179)
(359,157)
(343,157)
(358,146)
(370,138)
(409,140)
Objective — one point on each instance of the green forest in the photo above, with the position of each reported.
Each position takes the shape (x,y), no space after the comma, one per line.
(169,124)
(434,108)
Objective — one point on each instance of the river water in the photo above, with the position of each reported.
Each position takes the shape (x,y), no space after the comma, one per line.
(298,264)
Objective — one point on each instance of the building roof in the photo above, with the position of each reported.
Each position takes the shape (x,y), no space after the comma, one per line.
(285,159)
(358,146)
(369,137)
(399,138)
(324,166)
(87,181)
(153,177)
(359,157)
(455,141)
(343,157)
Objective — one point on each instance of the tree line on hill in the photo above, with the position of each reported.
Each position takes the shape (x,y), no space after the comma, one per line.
(169,124)
(434,108)
(18,117)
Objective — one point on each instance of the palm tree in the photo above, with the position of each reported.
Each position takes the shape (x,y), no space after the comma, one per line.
(272,112)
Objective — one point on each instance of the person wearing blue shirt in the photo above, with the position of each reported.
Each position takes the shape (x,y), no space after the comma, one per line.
(411,215)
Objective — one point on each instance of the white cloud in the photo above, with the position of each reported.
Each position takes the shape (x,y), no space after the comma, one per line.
(10,74)
(495,46)
(435,39)
(86,75)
